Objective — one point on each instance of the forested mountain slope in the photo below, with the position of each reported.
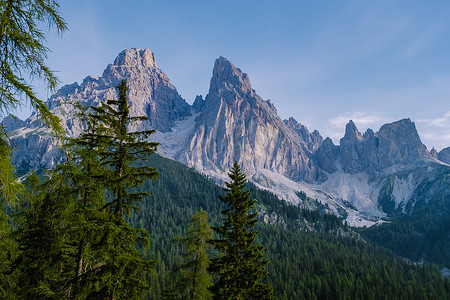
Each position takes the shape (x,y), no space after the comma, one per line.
(304,264)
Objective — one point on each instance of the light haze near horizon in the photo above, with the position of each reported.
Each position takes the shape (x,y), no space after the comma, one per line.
(321,62)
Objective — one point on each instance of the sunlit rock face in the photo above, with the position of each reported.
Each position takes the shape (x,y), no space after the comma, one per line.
(366,177)
(150,93)
(396,143)
(234,123)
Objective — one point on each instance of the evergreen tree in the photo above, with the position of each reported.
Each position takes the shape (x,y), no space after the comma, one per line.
(22,50)
(195,278)
(240,265)
(86,179)
(9,188)
(42,234)
(123,153)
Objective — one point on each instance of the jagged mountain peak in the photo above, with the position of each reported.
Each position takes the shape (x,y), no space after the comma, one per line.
(403,124)
(235,123)
(351,131)
(134,57)
(312,140)
(227,76)
(402,139)
(150,91)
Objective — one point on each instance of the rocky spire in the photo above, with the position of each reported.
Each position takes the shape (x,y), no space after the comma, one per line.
(237,124)
(227,76)
(312,140)
(351,132)
(434,153)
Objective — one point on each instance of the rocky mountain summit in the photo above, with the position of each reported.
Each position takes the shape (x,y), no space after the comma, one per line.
(396,143)
(363,179)
(234,123)
(150,93)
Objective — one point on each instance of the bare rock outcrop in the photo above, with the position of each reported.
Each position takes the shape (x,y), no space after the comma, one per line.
(444,155)
(237,124)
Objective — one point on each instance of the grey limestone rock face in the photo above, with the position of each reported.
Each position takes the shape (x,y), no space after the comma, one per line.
(199,104)
(10,123)
(358,152)
(35,151)
(236,124)
(312,140)
(396,143)
(400,144)
(150,93)
(444,155)
(327,155)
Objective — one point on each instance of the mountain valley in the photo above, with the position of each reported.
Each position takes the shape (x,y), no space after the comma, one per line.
(368,179)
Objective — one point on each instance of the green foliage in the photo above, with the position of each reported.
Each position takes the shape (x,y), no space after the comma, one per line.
(308,265)
(240,264)
(195,278)
(22,50)
(9,187)
(121,153)
(386,200)
(298,260)
(73,243)
(424,234)
(41,236)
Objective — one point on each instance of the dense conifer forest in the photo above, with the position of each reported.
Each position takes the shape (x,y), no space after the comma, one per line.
(303,265)
(117,221)
(107,224)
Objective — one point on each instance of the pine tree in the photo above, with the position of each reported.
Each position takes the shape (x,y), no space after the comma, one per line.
(195,278)
(86,180)
(240,265)
(43,224)
(124,154)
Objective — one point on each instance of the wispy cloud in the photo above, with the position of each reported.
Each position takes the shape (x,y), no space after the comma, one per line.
(435,131)
(359,118)
(363,120)
(443,121)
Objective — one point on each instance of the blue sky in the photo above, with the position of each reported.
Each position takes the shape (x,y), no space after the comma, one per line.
(321,62)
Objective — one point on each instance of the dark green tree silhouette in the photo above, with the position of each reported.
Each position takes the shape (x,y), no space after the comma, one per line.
(195,278)
(240,265)
(123,154)
(43,255)
(86,177)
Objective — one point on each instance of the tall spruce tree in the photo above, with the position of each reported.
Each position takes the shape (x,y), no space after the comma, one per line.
(43,226)
(195,278)
(124,153)
(240,264)
(87,176)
